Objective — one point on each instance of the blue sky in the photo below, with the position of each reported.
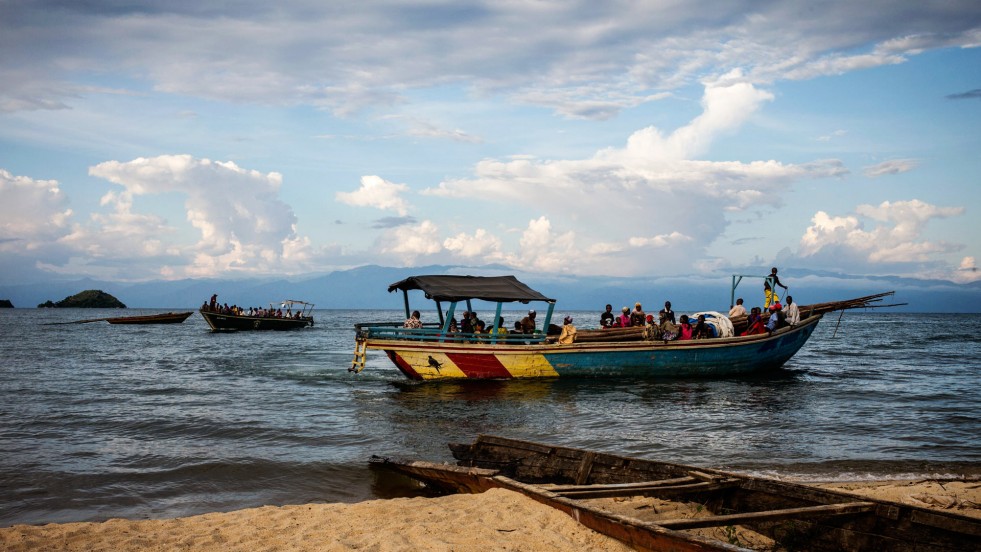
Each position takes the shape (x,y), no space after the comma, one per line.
(143,141)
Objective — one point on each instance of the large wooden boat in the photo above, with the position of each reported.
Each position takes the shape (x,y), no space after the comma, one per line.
(164,318)
(726,510)
(296,315)
(435,352)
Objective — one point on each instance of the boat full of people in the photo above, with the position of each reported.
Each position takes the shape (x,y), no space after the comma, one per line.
(285,315)
(709,344)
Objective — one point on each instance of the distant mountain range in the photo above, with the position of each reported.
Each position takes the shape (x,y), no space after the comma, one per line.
(366,288)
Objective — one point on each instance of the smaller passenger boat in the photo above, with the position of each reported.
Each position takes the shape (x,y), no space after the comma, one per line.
(291,315)
(165,318)
(725,510)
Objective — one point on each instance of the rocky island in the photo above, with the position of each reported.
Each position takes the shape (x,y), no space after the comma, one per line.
(88,299)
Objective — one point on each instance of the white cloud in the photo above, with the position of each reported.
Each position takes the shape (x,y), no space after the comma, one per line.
(967,271)
(411,243)
(652,187)
(243,225)
(893,166)
(480,245)
(543,251)
(658,242)
(32,213)
(378,193)
(856,242)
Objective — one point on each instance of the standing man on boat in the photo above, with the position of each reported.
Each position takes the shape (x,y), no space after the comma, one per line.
(769,293)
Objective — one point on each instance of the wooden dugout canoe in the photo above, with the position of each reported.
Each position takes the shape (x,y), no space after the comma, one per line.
(164,318)
(793,516)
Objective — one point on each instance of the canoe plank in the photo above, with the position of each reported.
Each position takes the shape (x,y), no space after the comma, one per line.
(770,515)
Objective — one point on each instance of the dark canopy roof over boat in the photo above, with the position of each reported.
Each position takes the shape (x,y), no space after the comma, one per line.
(502,289)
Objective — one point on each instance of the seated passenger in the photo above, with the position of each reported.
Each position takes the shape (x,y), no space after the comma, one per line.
(568,335)
(466,324)
(754,323)
(701,329)
(528,323)
(667,330)
(501,330)
(777,318)
(637,317)
(413,322)
(738,309)
(685,328)
(623,321)
(791,312)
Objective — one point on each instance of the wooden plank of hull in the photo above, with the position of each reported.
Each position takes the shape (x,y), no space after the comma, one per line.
(847,508)
(425,360)
(226,322)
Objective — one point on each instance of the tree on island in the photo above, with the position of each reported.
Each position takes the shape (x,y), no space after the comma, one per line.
(89,299)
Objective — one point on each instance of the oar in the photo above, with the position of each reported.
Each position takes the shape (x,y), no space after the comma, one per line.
(75,322)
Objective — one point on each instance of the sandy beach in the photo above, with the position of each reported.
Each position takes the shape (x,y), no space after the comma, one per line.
(496,520)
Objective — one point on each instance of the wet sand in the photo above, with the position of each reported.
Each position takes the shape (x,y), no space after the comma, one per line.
(497,520)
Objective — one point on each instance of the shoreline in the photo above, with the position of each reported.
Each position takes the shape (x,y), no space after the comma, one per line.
(495,520)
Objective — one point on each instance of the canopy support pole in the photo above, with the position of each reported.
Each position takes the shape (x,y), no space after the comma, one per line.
(497,320)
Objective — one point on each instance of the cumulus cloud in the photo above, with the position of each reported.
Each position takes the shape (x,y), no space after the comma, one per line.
(243,225)
(32,213)
(409,244)
(653,187)
(378,193)
(888,234)
(893,166)
(967,271)
(481,245)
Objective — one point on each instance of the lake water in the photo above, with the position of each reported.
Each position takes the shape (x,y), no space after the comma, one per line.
(100,421)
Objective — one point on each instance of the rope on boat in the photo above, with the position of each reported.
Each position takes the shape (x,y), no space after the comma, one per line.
(838,324)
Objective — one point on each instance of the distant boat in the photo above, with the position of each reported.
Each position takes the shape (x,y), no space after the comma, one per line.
(165,318)
(439,352)
(794,516)
(296,315)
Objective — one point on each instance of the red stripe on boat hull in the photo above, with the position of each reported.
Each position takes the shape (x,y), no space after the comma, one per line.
(479,366)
